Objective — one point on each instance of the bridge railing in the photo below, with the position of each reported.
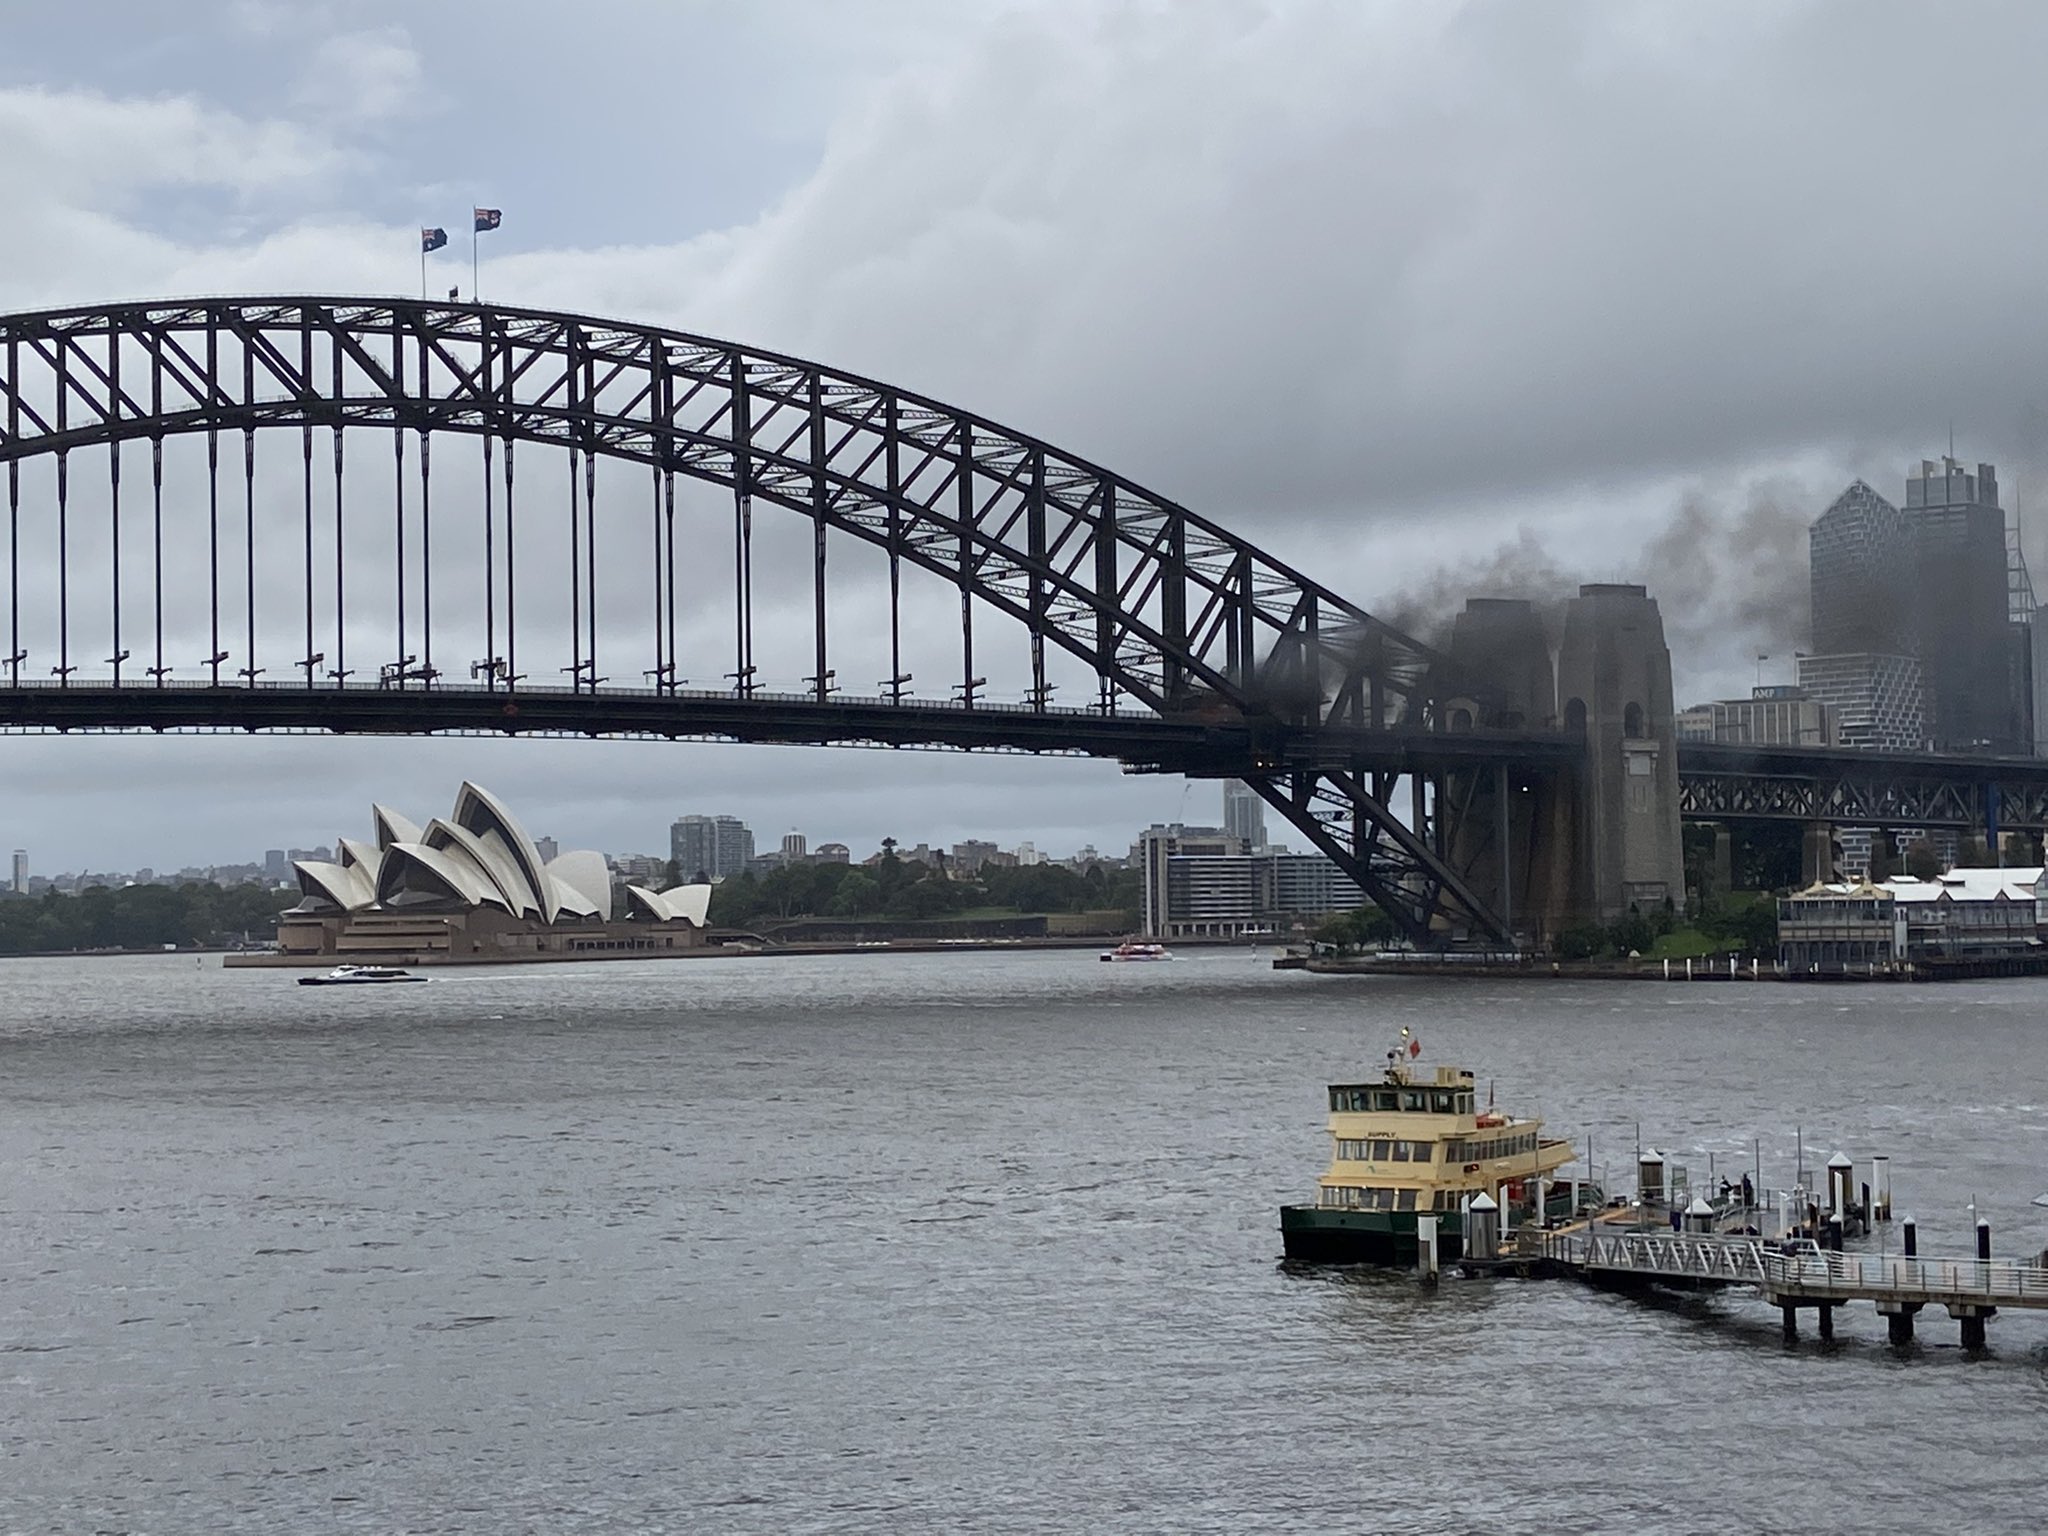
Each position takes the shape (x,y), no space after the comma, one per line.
(1125,708)
(1801,1266)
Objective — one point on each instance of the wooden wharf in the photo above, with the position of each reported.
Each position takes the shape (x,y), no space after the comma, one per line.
(1798,1274)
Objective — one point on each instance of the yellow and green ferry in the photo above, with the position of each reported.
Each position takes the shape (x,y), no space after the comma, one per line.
(1411,1145)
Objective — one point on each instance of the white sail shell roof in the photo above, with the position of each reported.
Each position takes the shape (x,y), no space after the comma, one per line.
(346,887)
(496,827)
(684,903)
(477,856)
(414,873)
(502,874)
(392,827)
(581,883)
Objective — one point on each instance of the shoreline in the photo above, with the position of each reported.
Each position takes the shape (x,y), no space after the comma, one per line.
(1925,971)
(254,960)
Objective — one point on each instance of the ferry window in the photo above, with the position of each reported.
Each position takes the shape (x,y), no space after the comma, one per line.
(1381,1151)
(1465,1103)
(1405,1200)
(1400,1151)
(1422,1151)
(1440,1104)
(1411,1099)
(1385,1099)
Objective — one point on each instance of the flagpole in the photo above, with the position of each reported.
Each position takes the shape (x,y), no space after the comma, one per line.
(472,258)
(423,267)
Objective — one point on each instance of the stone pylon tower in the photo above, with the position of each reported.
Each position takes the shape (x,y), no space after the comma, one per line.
(1508,830)
(1614,681)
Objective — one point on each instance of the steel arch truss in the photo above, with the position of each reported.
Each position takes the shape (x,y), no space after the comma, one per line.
(1177,618)
(1344,813)
(1172,611)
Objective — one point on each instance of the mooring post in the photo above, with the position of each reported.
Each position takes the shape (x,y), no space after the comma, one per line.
(1425,1249)
(1910,1230)
(1834,1234)
(1983,1240)
(1881,1188)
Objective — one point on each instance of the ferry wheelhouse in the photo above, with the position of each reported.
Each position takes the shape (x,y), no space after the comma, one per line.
(1417,1142)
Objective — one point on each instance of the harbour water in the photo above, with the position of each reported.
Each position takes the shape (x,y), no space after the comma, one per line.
(942,1242)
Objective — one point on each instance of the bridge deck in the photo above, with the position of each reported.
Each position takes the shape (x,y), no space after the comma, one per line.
(1800,1272)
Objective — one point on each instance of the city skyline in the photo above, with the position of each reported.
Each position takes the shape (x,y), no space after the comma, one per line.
(1112,845)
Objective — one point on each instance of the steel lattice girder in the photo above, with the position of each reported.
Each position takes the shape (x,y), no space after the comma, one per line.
(1172,612)
(1164,604)
(1877,796)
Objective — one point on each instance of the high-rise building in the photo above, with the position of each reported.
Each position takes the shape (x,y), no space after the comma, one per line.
(795,848)
(1959,606)
(21,872)
(277,867)
(1913,643)
(1860,576)
(1244,814)
(711,846)
(1876,700)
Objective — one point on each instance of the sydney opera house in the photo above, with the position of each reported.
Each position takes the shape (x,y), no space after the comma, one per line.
(473,886)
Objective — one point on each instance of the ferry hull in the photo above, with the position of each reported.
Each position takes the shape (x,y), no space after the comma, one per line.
(1313,1235)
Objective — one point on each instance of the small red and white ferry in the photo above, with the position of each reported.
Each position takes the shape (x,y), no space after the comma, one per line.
(1133,949)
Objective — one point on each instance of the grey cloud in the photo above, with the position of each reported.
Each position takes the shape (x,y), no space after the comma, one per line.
(1371,284)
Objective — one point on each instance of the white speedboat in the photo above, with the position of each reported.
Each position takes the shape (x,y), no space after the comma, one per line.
(1131,949)
(359,976)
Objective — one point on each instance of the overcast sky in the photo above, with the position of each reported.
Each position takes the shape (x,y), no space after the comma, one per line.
(1427,298)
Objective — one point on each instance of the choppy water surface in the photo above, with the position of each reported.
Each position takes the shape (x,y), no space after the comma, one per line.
(971,1241)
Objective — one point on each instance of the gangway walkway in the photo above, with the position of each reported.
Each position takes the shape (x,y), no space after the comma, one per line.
(1801,1273)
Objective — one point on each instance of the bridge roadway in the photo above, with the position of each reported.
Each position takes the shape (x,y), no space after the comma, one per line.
(1795,1274)
(1717,781)
(1196,744)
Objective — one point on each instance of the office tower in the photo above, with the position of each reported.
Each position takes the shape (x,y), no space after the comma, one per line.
(1244,814)
(713,846)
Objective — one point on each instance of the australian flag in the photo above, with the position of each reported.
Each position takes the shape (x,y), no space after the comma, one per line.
(432,239)
(488,218)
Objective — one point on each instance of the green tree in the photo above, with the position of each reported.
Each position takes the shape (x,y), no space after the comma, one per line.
(1339,930)
(1582,942)
(858,895)
(1632,934)
(1922,863)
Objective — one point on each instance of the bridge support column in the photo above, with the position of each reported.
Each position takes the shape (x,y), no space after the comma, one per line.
(1791,1317)
(1826,1318)
(1817,852)
(1972,1319)
(1898,1319)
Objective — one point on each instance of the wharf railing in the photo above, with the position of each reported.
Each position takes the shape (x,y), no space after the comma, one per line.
(1801,1269)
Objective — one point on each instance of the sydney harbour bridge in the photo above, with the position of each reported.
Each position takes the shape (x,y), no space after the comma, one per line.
(394,516)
